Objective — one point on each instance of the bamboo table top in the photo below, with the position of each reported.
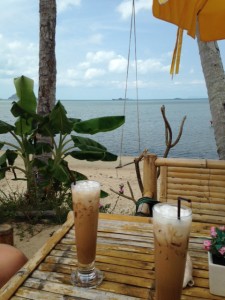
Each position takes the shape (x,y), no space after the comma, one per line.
(124,252)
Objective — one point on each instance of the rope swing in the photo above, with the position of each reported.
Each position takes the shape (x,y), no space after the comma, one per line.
(132,30)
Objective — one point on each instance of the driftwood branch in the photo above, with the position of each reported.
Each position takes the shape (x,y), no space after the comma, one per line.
(180,132)
(137,169)
(169,134)
(130,189)
(122,195)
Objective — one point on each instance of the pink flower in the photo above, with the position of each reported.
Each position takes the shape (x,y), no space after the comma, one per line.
(222,251)
(207,245)
(121,190)
(222,228)
(213,231)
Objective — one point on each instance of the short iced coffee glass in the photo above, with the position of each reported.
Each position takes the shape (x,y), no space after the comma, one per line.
(171,236)
(85,196)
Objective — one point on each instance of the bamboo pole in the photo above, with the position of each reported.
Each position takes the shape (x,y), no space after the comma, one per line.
(193,170)
(149,182)
(215,164)
(163,182)
(150,176)
(185,170)
(195,175)
(195,197)
(188,181)
(181,162)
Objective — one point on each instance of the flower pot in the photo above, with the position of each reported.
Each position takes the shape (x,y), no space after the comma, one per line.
(216,277)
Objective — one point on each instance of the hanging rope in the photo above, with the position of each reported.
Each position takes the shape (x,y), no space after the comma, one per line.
(136,75)
(133,21)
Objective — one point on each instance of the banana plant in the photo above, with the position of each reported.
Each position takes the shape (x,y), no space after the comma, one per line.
(65,134)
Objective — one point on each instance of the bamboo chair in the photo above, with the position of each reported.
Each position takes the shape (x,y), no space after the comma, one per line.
(200,180)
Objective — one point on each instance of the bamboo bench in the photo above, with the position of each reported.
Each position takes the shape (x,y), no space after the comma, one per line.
(201,180)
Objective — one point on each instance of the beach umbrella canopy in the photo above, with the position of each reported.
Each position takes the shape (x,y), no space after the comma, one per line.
(186,14)
(210,15)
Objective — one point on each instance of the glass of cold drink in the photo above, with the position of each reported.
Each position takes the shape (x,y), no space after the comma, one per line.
(171,235)
(85,196)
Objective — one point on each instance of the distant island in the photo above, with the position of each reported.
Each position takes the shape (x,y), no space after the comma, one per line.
(13,97)
(120,99)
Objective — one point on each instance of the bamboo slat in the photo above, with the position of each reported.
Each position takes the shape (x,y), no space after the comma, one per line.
(215,164)
(181,162)
(194,170)
(197,175)
(198,182)
(207,197)
(163,182)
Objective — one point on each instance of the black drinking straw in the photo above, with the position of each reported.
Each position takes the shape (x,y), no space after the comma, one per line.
(179,199)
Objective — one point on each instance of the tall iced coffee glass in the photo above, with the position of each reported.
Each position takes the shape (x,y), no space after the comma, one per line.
(171,235)
(85,196)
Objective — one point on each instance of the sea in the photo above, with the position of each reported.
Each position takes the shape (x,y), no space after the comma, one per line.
(144,126)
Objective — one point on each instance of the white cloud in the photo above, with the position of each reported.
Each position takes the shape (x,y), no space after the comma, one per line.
(149,65)
(92,73)
(99,56)
(190,82)
(125,7)
(17,58)
(63,5)
(118,64)
(83,65)
(72,73)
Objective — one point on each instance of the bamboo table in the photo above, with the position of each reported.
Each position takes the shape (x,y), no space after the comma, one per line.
(124,253)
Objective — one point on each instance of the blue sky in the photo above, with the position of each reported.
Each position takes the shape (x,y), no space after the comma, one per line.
(92,47)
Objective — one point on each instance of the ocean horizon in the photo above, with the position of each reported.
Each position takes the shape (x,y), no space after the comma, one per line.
(197,140)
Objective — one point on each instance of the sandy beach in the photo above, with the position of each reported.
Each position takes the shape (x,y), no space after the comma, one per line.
(30,238)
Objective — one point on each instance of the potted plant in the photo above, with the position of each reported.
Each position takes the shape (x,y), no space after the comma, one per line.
(216,255)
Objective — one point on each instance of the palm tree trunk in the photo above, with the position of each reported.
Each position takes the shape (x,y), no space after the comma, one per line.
(215,82)
(47,70)
(47,59)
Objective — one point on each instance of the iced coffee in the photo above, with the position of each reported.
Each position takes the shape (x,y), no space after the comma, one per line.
(85,196)
(171,235)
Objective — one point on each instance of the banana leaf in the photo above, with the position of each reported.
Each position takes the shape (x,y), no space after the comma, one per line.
(88,144)
(24,90)
(93,155)
(58,120)
(102,124)
(5,127)
(11,156)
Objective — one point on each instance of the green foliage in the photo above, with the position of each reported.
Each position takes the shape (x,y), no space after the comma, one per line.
(104,208)
(15,205)
(62,143)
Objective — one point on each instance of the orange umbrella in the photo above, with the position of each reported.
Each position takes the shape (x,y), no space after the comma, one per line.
(209,14)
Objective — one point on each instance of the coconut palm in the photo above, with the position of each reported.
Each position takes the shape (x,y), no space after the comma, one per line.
(215,82)
(47,59)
